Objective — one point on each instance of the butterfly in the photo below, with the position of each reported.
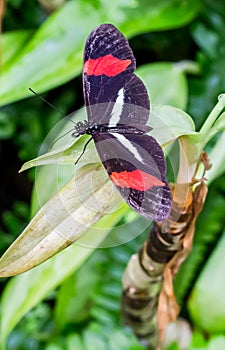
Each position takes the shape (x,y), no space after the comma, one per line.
(118,109)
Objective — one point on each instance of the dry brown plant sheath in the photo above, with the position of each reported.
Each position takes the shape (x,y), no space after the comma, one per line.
(148,300)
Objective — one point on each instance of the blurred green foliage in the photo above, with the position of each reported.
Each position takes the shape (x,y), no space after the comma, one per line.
(44,52)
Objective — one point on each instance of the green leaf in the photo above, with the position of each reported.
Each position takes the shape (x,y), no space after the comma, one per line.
(155,15)
(208,230)
(7,126)
(53,346)
(163,81)
(209,290)
(61,221)
(198,341)
(169,123)
(216,342)
(12,43)
(54,54)
(93,341)
(74,342)
(200,32)
(49,59)
(66,155)
(73,297)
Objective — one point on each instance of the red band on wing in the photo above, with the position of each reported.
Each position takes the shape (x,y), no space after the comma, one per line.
(107,65)
(136,179)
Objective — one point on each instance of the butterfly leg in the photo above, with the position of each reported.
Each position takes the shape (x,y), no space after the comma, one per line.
(84,149)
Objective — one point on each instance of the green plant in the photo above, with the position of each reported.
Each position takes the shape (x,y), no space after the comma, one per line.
(48,69)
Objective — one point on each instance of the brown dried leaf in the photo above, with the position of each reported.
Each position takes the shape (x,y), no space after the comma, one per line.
(168,309)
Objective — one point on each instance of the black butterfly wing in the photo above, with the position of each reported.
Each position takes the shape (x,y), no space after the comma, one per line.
(136,165)
(108,67)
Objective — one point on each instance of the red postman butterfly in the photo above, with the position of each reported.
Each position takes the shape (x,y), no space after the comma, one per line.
(118,109)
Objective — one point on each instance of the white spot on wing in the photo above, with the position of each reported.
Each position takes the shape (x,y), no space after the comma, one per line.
(126,143)
(117,108)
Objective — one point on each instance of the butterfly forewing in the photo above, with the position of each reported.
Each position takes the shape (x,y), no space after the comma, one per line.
(108,63)
(133,104)
(115,97)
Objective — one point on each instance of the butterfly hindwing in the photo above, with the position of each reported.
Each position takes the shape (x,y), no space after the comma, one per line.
(136,165)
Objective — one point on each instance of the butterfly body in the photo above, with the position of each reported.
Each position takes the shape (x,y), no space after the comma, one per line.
(118,110)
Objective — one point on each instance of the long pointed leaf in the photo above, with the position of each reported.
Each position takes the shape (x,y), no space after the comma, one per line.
(61,221)
(54,54)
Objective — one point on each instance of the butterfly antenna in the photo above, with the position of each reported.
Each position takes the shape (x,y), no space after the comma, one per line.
(51,105)
(84,149)
(48,103)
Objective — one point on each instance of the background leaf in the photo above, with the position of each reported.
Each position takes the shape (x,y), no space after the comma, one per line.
(12,43)
(161,91)
(54,55)
(208,290)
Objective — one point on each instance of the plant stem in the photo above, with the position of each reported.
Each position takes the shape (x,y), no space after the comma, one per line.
(189,155)
(214,114)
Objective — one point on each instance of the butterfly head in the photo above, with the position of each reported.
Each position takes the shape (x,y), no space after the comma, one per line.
(82,128)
